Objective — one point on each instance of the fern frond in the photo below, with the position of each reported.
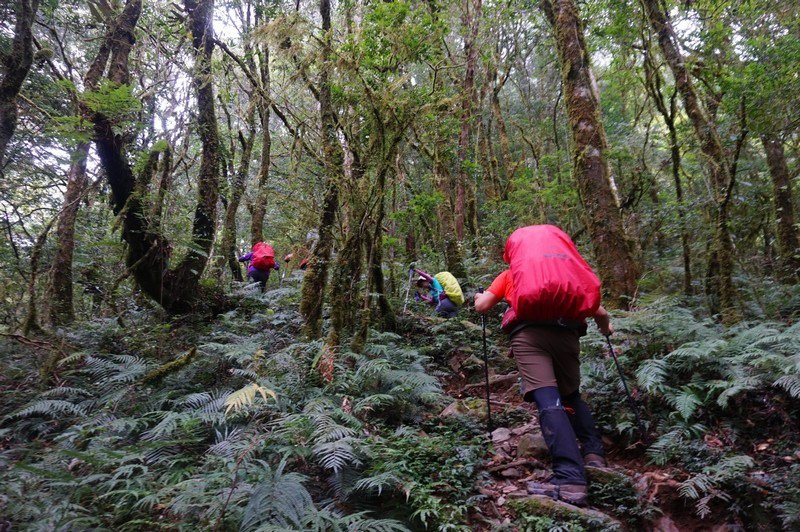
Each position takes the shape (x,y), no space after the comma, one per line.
(652,374)
(50,408)
(790,383)
(335,455)
(279,499)
(243,397)
(378,483)
(66,391)
(166,427)
(72,358)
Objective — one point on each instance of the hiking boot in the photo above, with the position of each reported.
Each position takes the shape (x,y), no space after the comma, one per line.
(574,494)
(594,460)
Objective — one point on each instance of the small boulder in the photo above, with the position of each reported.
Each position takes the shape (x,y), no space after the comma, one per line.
(565,514)
(523,429)
(511,472)
(473,407)
(532,445)
(500,435)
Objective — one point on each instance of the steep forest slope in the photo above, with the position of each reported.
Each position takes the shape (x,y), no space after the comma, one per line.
(224,423)
(159,156)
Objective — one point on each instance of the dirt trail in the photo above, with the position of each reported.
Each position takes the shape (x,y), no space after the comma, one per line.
(628,495)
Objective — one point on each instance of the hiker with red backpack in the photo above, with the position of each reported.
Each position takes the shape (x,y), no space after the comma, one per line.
(551,291)
(262,261)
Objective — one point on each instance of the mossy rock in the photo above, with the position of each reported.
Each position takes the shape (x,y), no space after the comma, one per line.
(472,407)
(615,492)
(531,510)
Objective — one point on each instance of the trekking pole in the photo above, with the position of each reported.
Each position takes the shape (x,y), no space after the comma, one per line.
(631,402)
(486,378)
(486,374)
(408,290)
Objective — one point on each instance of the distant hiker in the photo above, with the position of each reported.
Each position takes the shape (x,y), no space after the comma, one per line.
(262,261)
(441,291)
(551,291)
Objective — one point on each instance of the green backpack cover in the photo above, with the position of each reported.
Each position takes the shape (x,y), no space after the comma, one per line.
(451,287)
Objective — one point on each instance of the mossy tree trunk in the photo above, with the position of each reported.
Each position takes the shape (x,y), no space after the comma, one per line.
(669,113)
(15,67)
(316,276)
(453,256)
(31,321)
(347,269)
(616,264)
(59,309)
(470,17)
(719,289)
(178,289)
(259,208)
(788,241)
(236,191)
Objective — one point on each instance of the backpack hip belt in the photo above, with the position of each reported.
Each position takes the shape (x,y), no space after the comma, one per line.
(577,326)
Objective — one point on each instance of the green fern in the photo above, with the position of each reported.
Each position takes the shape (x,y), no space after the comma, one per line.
(280,499)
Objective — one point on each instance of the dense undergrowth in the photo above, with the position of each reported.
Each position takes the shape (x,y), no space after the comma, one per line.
(719,404)
(223,424)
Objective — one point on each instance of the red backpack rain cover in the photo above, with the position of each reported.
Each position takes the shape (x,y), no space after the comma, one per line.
(550,278)
(263,256)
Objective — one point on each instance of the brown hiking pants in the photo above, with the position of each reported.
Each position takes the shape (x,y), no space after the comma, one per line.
(547,356)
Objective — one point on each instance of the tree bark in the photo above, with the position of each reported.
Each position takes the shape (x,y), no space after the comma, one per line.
(31,322)
(15,69)
(201,14)
(59,309)
(316,276)
(347,270)
(616,265)
(164,183)
(453,258)
(262,193)
(238,185)
(654,83)
(177,290)
(720,290)
(471,19)
(788,240)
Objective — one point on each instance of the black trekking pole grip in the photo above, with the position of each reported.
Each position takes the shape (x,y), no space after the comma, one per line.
(486,373)
(631,402)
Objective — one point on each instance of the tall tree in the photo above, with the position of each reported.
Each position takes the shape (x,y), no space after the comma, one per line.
(788,240)
(259,208)
(176,289)
(668,108)
(720,289)
(59,301)
(471,17)
(617,267)
(15,67)
(317,273)
(59,309)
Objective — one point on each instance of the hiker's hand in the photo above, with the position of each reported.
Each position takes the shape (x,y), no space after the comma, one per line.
(603,321)
(485,301)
